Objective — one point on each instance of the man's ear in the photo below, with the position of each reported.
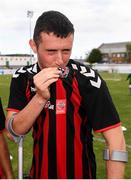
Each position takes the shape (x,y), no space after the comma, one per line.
(33,45)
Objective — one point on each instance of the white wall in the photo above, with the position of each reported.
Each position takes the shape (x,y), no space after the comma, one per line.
(119,68)
(16,60)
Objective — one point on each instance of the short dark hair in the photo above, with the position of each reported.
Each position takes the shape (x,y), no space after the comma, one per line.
(52,21)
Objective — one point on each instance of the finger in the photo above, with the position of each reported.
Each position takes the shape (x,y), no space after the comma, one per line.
(48,83)
(45,75)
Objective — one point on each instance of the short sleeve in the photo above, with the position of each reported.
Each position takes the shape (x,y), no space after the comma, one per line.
(105,115)
(100,109)
(17,97)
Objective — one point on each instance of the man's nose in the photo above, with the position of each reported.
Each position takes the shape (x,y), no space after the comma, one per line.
(59,59)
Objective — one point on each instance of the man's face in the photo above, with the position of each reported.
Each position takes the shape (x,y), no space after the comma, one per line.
(54,51)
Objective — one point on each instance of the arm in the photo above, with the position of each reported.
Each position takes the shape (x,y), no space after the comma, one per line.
(5,158)
(24,119)
(115,141)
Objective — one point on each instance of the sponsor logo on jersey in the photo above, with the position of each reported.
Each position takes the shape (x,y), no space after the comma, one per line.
(49,105)
(33,89)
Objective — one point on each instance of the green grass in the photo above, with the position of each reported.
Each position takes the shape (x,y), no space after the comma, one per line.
(118,87)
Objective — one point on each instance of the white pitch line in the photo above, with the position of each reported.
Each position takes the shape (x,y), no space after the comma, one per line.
(111,79)
(129,146)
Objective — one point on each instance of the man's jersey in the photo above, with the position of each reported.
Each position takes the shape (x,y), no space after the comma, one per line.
(2,117)
(63,140)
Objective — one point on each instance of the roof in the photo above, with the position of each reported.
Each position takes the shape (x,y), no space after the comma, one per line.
(113,47)
(17,55)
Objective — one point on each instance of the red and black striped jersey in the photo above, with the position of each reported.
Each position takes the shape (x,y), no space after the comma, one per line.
(2,117)
(63,140)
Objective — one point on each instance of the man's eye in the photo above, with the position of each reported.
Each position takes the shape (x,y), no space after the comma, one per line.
(51,52)
(66,51)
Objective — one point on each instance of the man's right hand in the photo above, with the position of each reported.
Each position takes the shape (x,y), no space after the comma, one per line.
(44,79)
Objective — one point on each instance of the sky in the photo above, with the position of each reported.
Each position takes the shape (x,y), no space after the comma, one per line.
(95,22)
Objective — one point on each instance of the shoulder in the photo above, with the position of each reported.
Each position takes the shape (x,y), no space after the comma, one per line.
(25,71)
(86,74)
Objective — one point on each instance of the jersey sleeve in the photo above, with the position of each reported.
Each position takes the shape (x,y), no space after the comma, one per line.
(17,97)
(100,108)
(105,115)
(2,117)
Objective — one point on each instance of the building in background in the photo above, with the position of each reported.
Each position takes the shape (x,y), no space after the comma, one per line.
(16,60)
(115,52)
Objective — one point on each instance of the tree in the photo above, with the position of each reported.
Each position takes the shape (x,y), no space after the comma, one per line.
(94,56)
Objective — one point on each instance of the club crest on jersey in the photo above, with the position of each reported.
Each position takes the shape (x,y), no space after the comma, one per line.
(60,106)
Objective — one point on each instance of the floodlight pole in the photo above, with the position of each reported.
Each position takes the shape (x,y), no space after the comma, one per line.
(30,15)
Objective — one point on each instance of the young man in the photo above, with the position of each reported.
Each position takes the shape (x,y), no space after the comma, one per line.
(5,165)
(63,110)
